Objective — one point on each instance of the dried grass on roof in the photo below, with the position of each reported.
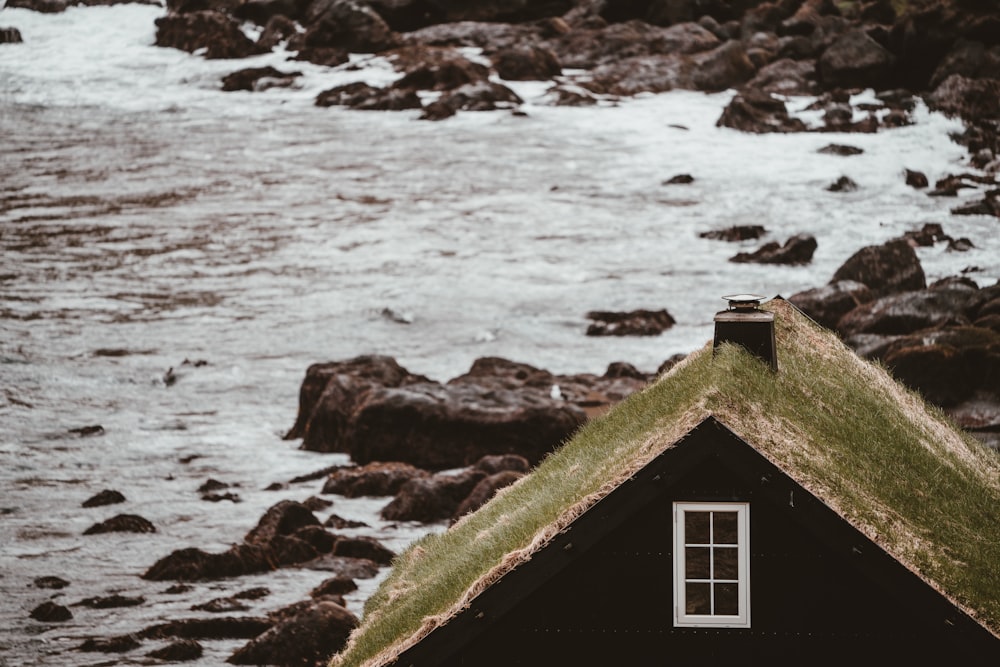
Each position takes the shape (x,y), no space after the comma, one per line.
(841,427)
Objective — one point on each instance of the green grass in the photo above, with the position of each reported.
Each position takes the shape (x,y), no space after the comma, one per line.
(841,427)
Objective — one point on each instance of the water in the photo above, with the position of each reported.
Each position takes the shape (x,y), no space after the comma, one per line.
(147,218)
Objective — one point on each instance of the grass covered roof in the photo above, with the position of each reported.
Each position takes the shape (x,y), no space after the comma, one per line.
(866,446)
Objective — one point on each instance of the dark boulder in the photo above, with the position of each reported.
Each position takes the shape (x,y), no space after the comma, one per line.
(258,79)
(969,99)
(856,60)
(220,35)
(842,184)
(41,6)
(120,644)
(375,479)
(50,612)
(970,59)
(220,627)
(306,639)
(192,564)
(484,490)
(727,66)
(363,549)
(491,465)
(916,179)
(122,523)
(262,11)
(798,249)
(929,234)
(10,35)
(481,96)
(786,76)
(346,24)
(587,48)
(432,498)
(282,519)
(106,497)
(886,269)
(907,312)
(840,149)
(506,11)
(631,323)
(435,68)
(111,601)
(758,112)
(51,582)
(182,650)
(827,304)
(735,233)
(221,606)
(334,586)
(526,64)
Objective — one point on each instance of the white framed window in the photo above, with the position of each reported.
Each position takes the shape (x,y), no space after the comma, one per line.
(712,565)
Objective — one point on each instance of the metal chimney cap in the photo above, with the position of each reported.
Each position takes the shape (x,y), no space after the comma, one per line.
(743,301)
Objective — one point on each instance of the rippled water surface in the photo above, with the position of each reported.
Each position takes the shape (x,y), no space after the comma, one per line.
(148,219)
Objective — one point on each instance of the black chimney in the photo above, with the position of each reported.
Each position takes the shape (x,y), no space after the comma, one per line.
(745,324)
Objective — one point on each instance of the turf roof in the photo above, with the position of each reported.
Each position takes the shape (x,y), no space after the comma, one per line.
(866,446)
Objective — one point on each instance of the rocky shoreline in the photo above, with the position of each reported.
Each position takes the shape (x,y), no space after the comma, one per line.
(436,450)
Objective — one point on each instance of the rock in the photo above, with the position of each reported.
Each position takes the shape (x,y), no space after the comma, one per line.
(906,312)
(193,564)
(308,638)
(54,583)
(840,149)
(927,235)
(735,233)
(526,64)
(484,490)
(407,15)
(363,549)
(970,59)
(122,523)
(262,12)
(786,76)
(334,586)
(317,504)
(328,57)
(346,24)
(88,431)
(10,35)
(224,627)
(948,365)
(258,79)
(481,96)
(217,33)
(916,179)
(221,606)
(111,602)
(724,67)
(886,269)
(338,522)
(758,112)
(50,612)
(281,519)
(106,497)
(855,60)
(121,644)
(969,99)
(491,465)
(433,498)
(988,205)
(842,184)
(679,179)
(179,651)
(41,6)
(827,304)
(632,323)
(798,249)
(374,479)
(435,68)
(589,48)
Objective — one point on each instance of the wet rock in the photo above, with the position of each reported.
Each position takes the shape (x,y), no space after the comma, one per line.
(735,233)
(829,303)
(346,24)
(722,68)
(219,34)
(481,96)
(326,56)
(929,234)
(632,323)
(121,644)
(679,179)
(526,64)
(221,606)
(111,602)
(485,490)
(907,312)
(106,497)
(840,149)
(971,59)
(41,6)
(435,68)
(219,497)
(842,184)
(856,60)
(262,12)
(363,549)
(88,431)
(212,484)
(916,179)
(593,47)
(494,464)
(373,479)
(223,627)
(51,582)
(10,35)
(433,498)
(960,245)
(192,564)
(122,523)
(886,269)
(758,112)
(339,523)
(50,612)
(179,651)
(258,79)
(308,638)
(255,593)
(281,519)
(988,205)
(798,249)
(970,99)
(786,76)
(333,586)
(317,504)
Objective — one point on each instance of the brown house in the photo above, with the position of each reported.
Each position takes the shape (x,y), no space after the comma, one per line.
(802,508)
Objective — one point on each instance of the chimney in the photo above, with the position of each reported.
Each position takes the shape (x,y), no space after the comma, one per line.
(745,324)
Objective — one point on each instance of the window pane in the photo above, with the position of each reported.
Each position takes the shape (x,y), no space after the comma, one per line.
(696,527)
(698,599)
(725,528)
(696,563)
(727,601)
(726,563)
